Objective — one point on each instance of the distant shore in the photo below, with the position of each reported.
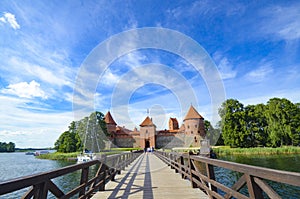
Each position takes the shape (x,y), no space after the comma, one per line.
(73,156)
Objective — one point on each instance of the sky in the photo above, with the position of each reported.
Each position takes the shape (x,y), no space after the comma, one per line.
(60,60)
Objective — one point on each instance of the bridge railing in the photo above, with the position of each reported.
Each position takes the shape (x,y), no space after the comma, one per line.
(41,184)
(201,173)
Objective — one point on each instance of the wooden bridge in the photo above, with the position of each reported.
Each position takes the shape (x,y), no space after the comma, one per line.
(154,175)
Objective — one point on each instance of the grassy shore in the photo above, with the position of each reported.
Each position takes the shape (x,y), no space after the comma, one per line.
(73,156)
(225,150)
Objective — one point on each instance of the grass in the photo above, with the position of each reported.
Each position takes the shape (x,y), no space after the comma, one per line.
(73,156)
(226,150)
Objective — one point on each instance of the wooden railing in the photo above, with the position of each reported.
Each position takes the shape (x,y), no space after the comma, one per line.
(201,173)
(41,184)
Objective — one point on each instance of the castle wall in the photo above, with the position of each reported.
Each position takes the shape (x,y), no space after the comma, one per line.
(127,141)
(169,141)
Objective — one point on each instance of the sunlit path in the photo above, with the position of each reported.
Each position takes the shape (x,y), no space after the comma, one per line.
(148,177)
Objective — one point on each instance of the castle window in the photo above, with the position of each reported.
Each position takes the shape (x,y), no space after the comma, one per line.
(188,126)
(146,131)
(195,125)
(192,132)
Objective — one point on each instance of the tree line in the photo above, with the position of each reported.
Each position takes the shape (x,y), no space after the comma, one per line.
(88,133)
(7,147)
(273,124)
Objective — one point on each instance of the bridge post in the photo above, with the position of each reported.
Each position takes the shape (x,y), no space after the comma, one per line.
(211,175)
(177,162)
(119,164)
(103,177)
(84,179)
(191,168)
(171,160)
(41,191)
(182,167)
(253,189)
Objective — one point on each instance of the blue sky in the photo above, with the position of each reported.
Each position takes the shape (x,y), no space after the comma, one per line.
(255,47)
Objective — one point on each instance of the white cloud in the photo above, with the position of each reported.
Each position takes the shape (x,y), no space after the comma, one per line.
(133,59)
(260,73)
(109,78)
(29,129)
(11,19)
(2,19)
(23,89)
(53,76)
(225,68)
(284,22)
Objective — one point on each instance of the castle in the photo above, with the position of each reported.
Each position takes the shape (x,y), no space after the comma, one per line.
(188,134)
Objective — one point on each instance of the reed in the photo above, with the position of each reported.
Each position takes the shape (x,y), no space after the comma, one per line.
(257,150)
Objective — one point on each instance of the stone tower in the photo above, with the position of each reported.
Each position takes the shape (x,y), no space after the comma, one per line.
(147,133)
(173,124)
(194,126)
(110,123)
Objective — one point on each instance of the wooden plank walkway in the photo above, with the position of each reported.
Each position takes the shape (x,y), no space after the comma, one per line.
(148,177)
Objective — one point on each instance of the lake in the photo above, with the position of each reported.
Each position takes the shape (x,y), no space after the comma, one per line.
(287,162)
(13,165)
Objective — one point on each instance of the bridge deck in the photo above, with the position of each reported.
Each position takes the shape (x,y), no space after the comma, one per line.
(148,177)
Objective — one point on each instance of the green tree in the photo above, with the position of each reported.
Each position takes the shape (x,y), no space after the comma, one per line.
(10,147)
(92,131)
(7,147)
(282,121)
(256,124)
(233,124)
(69,141)
(213,134)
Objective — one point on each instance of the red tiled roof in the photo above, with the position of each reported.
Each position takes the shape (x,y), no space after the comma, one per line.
(108,119)
(147,122)
(192,114)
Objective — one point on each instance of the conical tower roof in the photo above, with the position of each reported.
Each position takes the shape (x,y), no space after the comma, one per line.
(108,119)
(147,122)
(192,114)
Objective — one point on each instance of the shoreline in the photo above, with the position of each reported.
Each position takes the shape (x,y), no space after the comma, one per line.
(225,150)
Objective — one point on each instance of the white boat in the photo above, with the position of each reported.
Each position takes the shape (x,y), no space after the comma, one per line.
(85,157)
(88,155)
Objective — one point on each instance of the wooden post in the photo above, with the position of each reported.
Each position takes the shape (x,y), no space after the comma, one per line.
(253,188)
(211,175)
(191,167)
(182,167)
(84,179)
(171,160)
(41,191)
(120,162)
(103,176)
(177,160)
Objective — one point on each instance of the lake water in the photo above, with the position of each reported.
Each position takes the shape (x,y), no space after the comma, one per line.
(13,165)
(280,162)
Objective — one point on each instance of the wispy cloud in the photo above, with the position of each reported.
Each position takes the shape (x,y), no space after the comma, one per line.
(281,21)
(24,89)
(224,66)
(10,19)
(259,74)
(25,127)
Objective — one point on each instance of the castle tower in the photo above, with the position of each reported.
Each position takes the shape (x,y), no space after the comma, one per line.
(173,124)
(110,123)
(147,133)
(194,126)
